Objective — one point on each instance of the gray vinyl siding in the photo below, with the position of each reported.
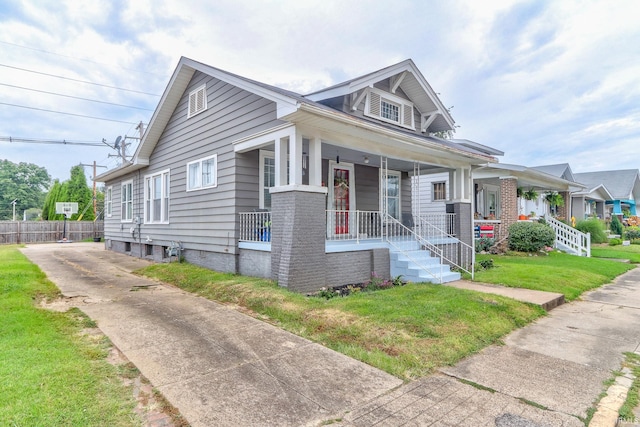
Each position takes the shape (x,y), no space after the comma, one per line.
(367,188)
(427,205)
(205,219)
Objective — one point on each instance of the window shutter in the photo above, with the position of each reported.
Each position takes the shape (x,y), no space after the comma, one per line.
(407,111)
(374,104)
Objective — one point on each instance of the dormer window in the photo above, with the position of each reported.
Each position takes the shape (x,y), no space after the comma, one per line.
(389,108)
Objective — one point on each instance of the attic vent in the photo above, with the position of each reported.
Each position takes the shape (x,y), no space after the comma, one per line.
(389,108)
(197,101)
(374,104)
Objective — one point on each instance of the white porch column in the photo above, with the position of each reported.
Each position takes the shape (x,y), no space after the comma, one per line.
(315,161)
(295,159)
(460,184)
(281,161)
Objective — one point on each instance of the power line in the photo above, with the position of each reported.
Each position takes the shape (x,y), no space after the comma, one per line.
(68,114)
(77,59)
(76,97)
(51,141)
(77,80)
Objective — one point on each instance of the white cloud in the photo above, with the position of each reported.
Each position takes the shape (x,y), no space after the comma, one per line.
(547,82)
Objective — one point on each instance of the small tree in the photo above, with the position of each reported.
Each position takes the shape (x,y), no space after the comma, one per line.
(616,226)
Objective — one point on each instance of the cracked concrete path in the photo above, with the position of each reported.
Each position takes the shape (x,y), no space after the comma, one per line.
(219,367)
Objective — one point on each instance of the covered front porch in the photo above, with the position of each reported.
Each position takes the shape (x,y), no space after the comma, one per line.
(324,194)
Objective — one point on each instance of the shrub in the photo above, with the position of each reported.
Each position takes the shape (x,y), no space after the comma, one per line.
(616,226)
(632,233)
(595,227)
(530,236)
(615,242)
(483,244)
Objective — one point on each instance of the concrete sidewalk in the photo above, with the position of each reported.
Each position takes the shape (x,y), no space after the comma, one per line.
(220,367)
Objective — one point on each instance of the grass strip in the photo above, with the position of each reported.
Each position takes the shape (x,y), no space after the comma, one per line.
(51,374)
(407,331)
(631,252)
(556,272)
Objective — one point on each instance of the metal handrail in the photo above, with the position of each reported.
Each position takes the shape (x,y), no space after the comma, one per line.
(456,252)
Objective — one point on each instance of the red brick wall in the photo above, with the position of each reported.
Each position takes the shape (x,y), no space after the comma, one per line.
(508,204)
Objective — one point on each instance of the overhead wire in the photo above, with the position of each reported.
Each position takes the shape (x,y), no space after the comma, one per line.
(78,59)
(75,97)
(78,80)
(65,113)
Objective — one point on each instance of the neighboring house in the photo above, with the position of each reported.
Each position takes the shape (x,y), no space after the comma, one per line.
(311,190)
(607,192)
(585,202)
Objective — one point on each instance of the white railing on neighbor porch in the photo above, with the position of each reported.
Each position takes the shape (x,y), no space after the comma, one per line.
(441,221)
(437,229)
(255,226)
(353,225)
(570,237)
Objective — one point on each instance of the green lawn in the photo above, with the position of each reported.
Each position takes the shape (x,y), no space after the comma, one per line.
(50,373)
(558,272)
(631,252)
(407,331)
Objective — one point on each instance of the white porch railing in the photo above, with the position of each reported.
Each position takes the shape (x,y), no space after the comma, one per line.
(255,226)
(443,222)
(353,225)
(570,238)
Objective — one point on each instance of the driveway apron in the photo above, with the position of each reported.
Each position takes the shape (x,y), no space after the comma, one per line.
(216,365)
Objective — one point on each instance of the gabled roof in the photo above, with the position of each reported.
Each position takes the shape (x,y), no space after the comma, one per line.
(599,192)
(287,103)
(527,177)
(561,170)
(408,78)
(622,184)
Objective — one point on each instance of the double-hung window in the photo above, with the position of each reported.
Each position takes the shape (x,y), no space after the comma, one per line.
(126,206)
(202,173)
(156,197)
(268,177)
(439,191)
(108,201)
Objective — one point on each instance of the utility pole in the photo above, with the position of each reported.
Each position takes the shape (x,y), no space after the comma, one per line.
(93,178)
(14,208)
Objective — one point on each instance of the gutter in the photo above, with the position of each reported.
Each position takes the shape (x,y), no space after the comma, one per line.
(415,141)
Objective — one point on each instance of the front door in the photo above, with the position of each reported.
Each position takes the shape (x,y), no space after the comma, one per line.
(341,198)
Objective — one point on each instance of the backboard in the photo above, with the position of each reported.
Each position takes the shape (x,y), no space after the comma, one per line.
(66,208)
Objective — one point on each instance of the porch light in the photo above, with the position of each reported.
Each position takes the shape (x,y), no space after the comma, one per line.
(366,160)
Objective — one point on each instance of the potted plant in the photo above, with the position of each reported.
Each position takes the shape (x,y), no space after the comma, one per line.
(554,199)
(530,194)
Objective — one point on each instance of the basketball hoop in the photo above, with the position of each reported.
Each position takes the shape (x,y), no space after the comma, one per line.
(67,209)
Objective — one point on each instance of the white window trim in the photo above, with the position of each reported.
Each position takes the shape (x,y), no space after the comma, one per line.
(263,155)
(215,175)
(401,102)
(164,197)
(122,217)
(194,92)
(270,155)
(433,193)
(108,198)
(399,175)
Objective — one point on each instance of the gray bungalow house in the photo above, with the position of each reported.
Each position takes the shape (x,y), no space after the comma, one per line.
(312,191)
(618,189)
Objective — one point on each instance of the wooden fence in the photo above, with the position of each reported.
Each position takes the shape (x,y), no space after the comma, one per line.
(15,232)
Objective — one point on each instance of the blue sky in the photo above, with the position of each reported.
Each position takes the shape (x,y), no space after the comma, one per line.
(545,82)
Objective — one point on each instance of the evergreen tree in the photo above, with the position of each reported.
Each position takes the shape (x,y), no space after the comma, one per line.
(73,190)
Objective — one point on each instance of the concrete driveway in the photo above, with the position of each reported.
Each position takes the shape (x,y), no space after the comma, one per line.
(218,367)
